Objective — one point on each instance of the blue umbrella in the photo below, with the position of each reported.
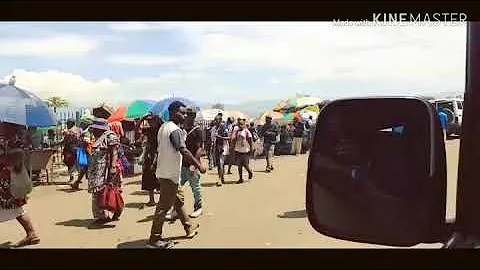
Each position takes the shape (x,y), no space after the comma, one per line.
(21,107)
(161,108)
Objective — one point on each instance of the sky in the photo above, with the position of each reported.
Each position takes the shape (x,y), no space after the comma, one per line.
(229,62)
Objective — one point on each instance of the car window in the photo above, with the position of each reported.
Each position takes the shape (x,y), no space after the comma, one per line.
(460,105)
(447,105)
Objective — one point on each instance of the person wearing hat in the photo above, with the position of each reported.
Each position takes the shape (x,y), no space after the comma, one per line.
(103,167)
(270,133)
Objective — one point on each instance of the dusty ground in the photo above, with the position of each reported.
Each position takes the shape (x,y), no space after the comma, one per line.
(268,212)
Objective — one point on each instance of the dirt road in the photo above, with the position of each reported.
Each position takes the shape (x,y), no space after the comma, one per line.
(268,212)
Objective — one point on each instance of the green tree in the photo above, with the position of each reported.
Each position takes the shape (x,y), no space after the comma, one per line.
(57,102)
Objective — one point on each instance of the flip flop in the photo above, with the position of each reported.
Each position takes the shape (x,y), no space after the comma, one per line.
(28,241)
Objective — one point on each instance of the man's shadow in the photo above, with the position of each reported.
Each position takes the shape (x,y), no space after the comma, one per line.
(7,245)
(85,223)
(141,243)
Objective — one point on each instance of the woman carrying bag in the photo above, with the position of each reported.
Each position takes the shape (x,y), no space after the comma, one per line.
(104,179)
(15,184)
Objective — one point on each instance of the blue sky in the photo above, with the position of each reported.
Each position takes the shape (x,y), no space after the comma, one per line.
(229,62)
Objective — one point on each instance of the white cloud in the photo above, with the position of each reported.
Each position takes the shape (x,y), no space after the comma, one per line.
(325,53)
(143,59)
(80,91)
(75,88)
(425,56)
(51,46)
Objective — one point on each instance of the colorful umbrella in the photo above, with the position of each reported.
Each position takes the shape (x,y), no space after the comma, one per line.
(139,108)
(161,108)
(312,109)
(21,107)
(296,103)
(118,115)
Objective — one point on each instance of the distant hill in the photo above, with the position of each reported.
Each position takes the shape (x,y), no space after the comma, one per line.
(251,108)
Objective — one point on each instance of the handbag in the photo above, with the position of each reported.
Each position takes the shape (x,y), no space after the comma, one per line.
(20,183)
(110,198)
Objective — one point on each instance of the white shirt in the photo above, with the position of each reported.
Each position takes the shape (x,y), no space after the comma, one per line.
(241,143)
(169,160)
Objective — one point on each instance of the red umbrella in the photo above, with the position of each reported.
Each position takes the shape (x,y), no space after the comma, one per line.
(119,115)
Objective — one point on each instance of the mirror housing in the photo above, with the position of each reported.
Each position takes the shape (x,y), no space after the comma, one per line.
(377,172)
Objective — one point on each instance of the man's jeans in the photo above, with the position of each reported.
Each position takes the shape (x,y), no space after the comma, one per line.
(193,178)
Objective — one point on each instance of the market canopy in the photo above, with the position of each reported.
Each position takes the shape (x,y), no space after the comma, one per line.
(208,114)
(236,114)
(21,107)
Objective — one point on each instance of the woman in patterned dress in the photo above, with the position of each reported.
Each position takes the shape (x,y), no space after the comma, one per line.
(103,168)
(10,207)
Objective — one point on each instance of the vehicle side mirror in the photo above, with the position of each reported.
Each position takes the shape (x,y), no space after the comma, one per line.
(377,172)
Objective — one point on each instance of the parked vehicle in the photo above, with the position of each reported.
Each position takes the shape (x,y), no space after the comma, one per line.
(377,170)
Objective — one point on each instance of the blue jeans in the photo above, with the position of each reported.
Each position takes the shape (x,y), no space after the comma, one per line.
(193,178)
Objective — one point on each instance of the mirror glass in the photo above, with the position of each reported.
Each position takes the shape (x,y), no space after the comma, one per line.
(371,171)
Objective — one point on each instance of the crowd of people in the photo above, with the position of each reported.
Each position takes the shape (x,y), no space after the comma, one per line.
(171,152)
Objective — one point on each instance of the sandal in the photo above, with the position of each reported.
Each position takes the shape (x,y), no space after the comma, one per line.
(28,241)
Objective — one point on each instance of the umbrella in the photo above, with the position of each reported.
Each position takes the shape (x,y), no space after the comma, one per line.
(139,108)
(208,114)
(119,115)
(21,107)
(296,103)
(103,111)
(161,108)
(312,109)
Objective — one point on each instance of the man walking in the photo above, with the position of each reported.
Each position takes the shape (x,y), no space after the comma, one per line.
(221,147)
(171,152)
(190,174)
(298,134)
(269,132)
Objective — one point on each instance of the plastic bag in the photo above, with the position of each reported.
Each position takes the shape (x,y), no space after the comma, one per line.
(20,183)
(82,158)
